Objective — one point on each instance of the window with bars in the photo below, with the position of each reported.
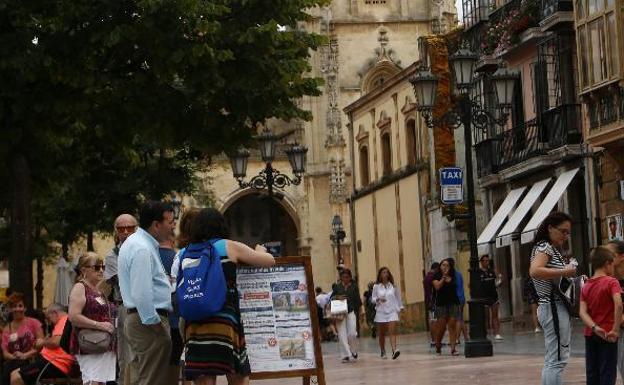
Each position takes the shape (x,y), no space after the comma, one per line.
(475,11)
(597,40)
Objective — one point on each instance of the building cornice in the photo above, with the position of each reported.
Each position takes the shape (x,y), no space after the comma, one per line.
(388,180)
(375,93)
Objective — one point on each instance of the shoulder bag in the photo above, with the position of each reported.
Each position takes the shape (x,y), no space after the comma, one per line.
(92,341)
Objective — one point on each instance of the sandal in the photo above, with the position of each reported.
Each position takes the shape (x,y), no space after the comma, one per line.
(454,352)
(438,348)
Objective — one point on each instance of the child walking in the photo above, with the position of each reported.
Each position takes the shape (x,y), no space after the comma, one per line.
(601,311)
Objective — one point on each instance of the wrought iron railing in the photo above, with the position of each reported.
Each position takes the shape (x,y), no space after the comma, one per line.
(550,7)
(563,125)
(520,143)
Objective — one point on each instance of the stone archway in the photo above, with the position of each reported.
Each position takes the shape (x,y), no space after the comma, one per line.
(248,218)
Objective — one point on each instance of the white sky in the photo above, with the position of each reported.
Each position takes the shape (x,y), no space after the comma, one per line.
(458,5)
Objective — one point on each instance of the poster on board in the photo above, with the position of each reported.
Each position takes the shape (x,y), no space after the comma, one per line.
(275,311)
(614,227)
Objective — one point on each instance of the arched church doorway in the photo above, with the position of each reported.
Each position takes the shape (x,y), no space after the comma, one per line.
(249,219)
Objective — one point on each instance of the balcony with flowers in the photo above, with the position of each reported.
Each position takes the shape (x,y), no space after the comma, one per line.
(513,24)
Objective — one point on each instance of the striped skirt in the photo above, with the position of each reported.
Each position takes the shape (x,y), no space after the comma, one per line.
(215,347)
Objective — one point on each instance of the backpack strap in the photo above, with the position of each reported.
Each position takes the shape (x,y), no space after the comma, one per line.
(555,315)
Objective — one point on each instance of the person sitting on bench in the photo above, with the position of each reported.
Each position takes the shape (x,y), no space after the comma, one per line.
(52,361)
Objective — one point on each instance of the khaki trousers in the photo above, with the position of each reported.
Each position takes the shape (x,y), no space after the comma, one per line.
(150,349)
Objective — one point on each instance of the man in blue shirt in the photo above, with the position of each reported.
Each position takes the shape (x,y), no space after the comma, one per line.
(146,292)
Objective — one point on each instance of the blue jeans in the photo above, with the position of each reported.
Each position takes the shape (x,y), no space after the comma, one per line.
(555,359)
(600,361)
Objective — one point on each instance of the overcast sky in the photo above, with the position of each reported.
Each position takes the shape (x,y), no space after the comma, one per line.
(458,5)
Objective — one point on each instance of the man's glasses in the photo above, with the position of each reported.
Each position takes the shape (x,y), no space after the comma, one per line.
(97,267)
(125,229)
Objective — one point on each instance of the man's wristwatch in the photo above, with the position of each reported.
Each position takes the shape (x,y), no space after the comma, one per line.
(593,328)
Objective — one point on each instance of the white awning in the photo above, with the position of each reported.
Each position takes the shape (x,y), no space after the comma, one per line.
(547,205)
(501,214)
(504,237)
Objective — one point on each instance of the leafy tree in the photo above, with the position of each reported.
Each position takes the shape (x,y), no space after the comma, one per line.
(161,74)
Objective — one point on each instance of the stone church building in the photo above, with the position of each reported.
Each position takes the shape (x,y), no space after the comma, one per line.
(370,41)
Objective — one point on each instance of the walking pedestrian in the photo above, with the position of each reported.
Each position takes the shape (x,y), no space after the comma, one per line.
(347,327)
(446,306)
(601,312)
(461,295)
(388,305)
(531,296)
(18,337)
(617,248)
(52,361)
(216,345)
(430,300)
(489,282)
(146,292)
(547,266)
(89,309)
(124,226)
(369,309)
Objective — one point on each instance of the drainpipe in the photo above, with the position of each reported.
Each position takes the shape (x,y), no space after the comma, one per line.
(350,202)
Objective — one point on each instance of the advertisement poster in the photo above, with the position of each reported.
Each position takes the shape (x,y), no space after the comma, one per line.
(276,316)
(614,227)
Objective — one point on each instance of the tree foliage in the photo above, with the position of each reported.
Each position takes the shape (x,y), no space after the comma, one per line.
(103,102)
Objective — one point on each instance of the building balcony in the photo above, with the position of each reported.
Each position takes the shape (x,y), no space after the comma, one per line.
(512,25)
(563,124)
(559,127)
(556,14)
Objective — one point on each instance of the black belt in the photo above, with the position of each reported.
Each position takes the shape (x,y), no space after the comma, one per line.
(162,312)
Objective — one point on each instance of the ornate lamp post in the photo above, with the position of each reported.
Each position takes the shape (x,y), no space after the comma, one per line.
(467,113)
(269,177)
(337,236)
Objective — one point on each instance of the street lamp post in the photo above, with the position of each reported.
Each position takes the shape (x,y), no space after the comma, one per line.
(337,236)
(269,177)
(467,113)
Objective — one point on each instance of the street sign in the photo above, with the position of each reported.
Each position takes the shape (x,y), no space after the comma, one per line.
(451,185)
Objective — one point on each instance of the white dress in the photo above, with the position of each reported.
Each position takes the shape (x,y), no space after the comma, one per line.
(387,311)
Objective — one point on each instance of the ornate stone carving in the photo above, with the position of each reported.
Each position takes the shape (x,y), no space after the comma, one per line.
(329,69)
(337,181)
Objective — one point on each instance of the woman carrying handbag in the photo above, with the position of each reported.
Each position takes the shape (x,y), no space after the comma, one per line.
(91,315)
(347,290)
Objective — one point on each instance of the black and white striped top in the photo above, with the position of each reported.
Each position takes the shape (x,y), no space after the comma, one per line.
(543,287)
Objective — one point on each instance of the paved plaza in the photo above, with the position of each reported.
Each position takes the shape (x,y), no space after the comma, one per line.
(517,360)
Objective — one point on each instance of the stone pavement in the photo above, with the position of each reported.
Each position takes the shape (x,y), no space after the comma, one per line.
(517,360)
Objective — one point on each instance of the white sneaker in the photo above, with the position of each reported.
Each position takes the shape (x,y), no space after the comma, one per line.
(537,330)
(498,337)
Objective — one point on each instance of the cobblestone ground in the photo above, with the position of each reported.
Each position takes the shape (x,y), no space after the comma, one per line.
(517,360)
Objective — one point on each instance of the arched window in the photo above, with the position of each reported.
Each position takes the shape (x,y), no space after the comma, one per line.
(411,142)
(386,153)
(364,173)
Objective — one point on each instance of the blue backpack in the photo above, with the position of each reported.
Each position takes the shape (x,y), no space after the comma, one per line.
(201,286)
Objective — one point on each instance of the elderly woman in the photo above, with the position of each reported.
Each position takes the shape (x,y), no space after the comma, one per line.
(19,337)
(89,309)
(347,327)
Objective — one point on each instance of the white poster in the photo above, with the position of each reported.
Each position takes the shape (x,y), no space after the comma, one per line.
(614,227)
(276,317)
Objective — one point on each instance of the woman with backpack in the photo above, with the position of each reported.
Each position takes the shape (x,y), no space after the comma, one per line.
(547,269)
(216,345)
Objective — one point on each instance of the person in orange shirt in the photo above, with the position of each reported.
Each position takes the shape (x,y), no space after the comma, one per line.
(52,361)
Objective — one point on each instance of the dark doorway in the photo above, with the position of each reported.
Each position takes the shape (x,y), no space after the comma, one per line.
(249,221)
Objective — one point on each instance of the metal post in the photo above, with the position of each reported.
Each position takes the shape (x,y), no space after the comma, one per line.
(269,182)
(479,345)
(340,261)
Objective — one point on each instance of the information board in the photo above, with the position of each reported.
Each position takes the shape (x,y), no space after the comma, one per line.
(281,332)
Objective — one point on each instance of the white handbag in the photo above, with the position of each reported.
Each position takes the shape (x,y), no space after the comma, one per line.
(338,307)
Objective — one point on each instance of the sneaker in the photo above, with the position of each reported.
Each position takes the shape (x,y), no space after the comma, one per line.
(396,355)
(383,355)
(354,355)
(537,330)
(345,360)
(498,337)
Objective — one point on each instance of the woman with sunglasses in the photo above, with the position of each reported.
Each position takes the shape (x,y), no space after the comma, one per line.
(89,309)
(547,267)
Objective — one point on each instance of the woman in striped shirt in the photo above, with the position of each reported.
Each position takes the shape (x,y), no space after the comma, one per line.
(548,266)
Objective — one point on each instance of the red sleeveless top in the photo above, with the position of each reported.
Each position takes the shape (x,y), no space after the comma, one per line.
(96,308)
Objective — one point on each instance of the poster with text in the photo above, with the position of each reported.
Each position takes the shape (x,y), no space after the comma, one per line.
(276,317)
